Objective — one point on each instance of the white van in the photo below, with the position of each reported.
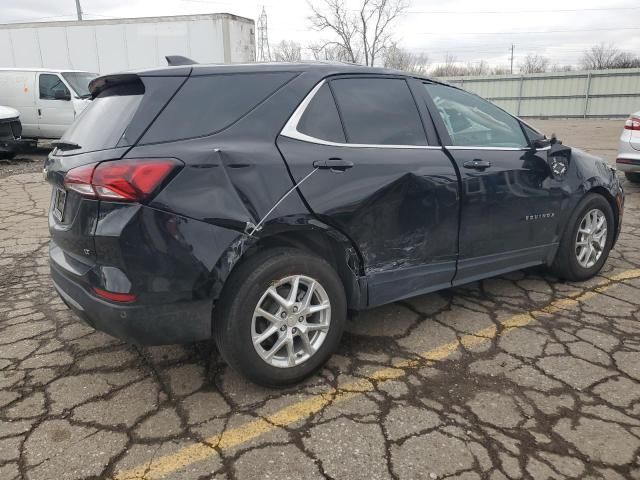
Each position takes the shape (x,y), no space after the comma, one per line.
(48,100)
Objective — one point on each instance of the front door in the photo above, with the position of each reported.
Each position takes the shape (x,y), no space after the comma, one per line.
(55,110)
(391,190)
(510,205)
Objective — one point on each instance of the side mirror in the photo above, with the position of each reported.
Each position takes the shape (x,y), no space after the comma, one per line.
(61,95)
(558,158)
(540,143)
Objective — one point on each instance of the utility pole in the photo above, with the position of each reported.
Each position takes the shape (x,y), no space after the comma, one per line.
(512,47)
(79,9)
(264,52)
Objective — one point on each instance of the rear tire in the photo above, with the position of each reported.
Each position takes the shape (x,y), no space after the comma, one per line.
(632,176)
(257,299)
(581,254)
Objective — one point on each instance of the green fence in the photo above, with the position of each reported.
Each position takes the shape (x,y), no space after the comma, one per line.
(591,94)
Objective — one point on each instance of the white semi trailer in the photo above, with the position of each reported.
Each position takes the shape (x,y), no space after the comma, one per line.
(107,46)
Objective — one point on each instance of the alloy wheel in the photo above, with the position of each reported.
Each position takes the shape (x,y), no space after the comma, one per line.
(291,321)
(591,238)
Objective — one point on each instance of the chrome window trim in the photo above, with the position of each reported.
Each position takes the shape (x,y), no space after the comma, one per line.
(501,149)
(290,129)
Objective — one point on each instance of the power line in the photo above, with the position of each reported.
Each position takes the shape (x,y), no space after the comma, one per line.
(512,47)
(551,10)
(532,32)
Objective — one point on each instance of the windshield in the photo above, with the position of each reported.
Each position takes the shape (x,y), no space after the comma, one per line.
(79,82)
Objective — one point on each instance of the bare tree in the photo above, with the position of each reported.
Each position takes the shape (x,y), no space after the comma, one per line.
(449,68)
(477,68)
(561,68)
(287,51)
(401,59)
(501,70)
(603,56)
(627,60)
(329,52)
(362,34)
(533,63)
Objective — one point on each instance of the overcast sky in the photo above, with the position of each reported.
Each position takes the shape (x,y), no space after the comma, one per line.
(468,29)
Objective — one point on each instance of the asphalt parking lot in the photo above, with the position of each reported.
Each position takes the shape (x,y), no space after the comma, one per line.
(514,377)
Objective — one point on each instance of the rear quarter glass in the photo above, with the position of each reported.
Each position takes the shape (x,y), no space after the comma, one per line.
(210,103)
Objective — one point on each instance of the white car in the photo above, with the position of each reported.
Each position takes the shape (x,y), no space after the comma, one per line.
(628,160)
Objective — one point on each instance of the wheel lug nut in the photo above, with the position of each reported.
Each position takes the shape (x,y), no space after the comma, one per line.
(283,328)
(300,319)
(294,330)
(295,309)
(283,314)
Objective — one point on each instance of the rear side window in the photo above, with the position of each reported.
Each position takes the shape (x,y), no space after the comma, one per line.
(321,119)
(378,111)
(208,104)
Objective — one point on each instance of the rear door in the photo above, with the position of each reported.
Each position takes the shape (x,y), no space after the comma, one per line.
(510,204)
(55,110)
(392,190)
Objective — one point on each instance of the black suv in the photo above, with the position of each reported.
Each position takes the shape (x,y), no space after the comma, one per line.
(257,204)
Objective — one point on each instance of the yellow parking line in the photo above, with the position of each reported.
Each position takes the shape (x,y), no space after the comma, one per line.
(162,466)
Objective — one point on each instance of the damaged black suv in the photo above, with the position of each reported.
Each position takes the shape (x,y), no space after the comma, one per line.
(258,204)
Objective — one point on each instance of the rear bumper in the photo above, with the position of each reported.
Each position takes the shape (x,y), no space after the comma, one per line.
(159,324)
(628,159)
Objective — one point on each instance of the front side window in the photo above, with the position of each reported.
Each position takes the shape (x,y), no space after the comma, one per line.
(52,88)
(474,122)
(320,119)
(378,111)
(531,133)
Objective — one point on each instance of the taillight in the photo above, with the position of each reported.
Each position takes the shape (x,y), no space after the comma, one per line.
(632,123)
(79,180)
(115,297)
(131,180)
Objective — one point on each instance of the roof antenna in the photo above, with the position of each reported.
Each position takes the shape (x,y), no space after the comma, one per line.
(175,60)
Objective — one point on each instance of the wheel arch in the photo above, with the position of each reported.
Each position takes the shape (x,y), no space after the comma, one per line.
(600,190)
(316,239)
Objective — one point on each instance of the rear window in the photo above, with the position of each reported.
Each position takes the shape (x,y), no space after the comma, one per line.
(103,122)
(209,104)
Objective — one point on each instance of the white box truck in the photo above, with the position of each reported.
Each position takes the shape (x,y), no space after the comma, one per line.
(44,66)
(108,46)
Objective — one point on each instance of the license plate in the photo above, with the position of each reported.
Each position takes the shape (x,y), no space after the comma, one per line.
(59,199)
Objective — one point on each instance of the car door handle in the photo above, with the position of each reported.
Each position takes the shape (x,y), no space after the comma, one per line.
(477,164)
(333,164)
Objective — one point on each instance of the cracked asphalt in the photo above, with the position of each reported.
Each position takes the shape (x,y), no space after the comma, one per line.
(519,376)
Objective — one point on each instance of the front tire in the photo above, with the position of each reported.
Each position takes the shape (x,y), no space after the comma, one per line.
(587,240)
(280,317)
(633,176)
